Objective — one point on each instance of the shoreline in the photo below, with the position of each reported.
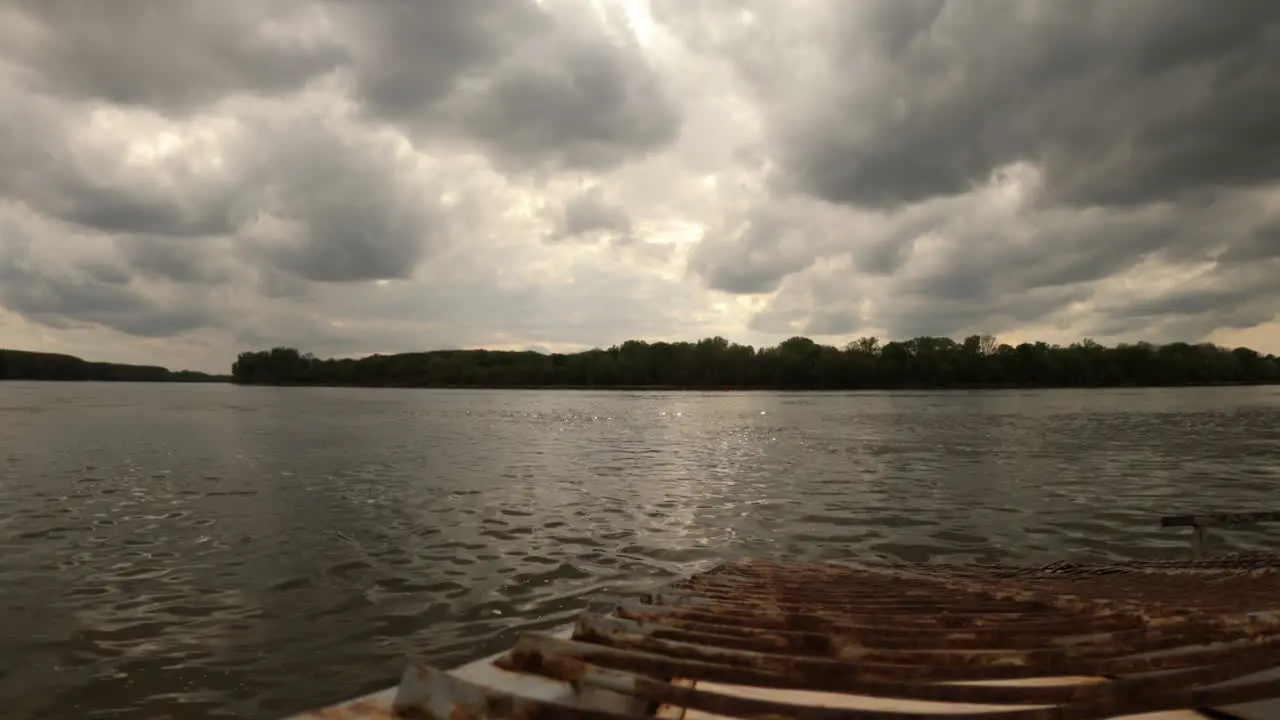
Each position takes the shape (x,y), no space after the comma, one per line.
(765,388)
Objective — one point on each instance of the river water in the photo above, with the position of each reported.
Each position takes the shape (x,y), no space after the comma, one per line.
(203,551)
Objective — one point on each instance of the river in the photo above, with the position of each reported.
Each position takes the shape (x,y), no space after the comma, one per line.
(200,551)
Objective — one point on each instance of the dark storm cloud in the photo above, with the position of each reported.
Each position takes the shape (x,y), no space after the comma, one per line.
(410,56)
(998,157)
(1120,102)
(1186,302)
(578,104)
(916,315)
(106,273)
(354,204)
(755,256)
(959,266)
(311,196)
(44,165)
(355,208)
(183,261)
(174,55)
(1191,313)
(131,210)
(1261,244)
(589,213)
(92,294)
(1232,292)
(997,257)
(183,157)
(530,86)
(995,275)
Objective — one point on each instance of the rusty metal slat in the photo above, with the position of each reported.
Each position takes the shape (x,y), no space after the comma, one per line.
(599,627)
(1135,594)
(885,599)
(1154,636)
(1252,560)
(658,691)
(564,660)
(850,615)
(816,666)
(871,636)
(1090,630)
(872,625)
(1105,648)
(950,665)
(886,616)
(1169,635)
(1140,601)
(975,603)
(1237,666)
(533,650)
(1103,700)
(855,621)
(1267,648)
(1201,676)
(988,608)
(998,582)
(856,584)
(1179,699)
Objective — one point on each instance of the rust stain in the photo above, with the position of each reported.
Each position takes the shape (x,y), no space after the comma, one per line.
(1153,636)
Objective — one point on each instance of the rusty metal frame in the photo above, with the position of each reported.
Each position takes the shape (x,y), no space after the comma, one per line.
(1132,638)
(1154,636)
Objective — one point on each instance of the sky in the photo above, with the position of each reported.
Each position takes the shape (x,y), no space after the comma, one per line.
(181,180)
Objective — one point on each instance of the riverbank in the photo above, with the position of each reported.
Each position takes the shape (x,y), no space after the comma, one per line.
(58,367)
(795,364)
(761,388)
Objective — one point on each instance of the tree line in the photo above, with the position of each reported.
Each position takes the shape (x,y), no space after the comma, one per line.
(797,363)
(27,365)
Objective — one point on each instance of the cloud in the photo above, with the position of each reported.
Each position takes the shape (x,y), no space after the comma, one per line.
(334,208)
(532,86)
(172,56)
(125,170)
(575,104)
(752,254)
(359,177)
(193,262)
(1118,103)
(1001,165)
(91,291)
(589,214)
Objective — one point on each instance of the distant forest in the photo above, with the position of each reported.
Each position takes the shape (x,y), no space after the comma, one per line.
(797,363)
(24,365)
